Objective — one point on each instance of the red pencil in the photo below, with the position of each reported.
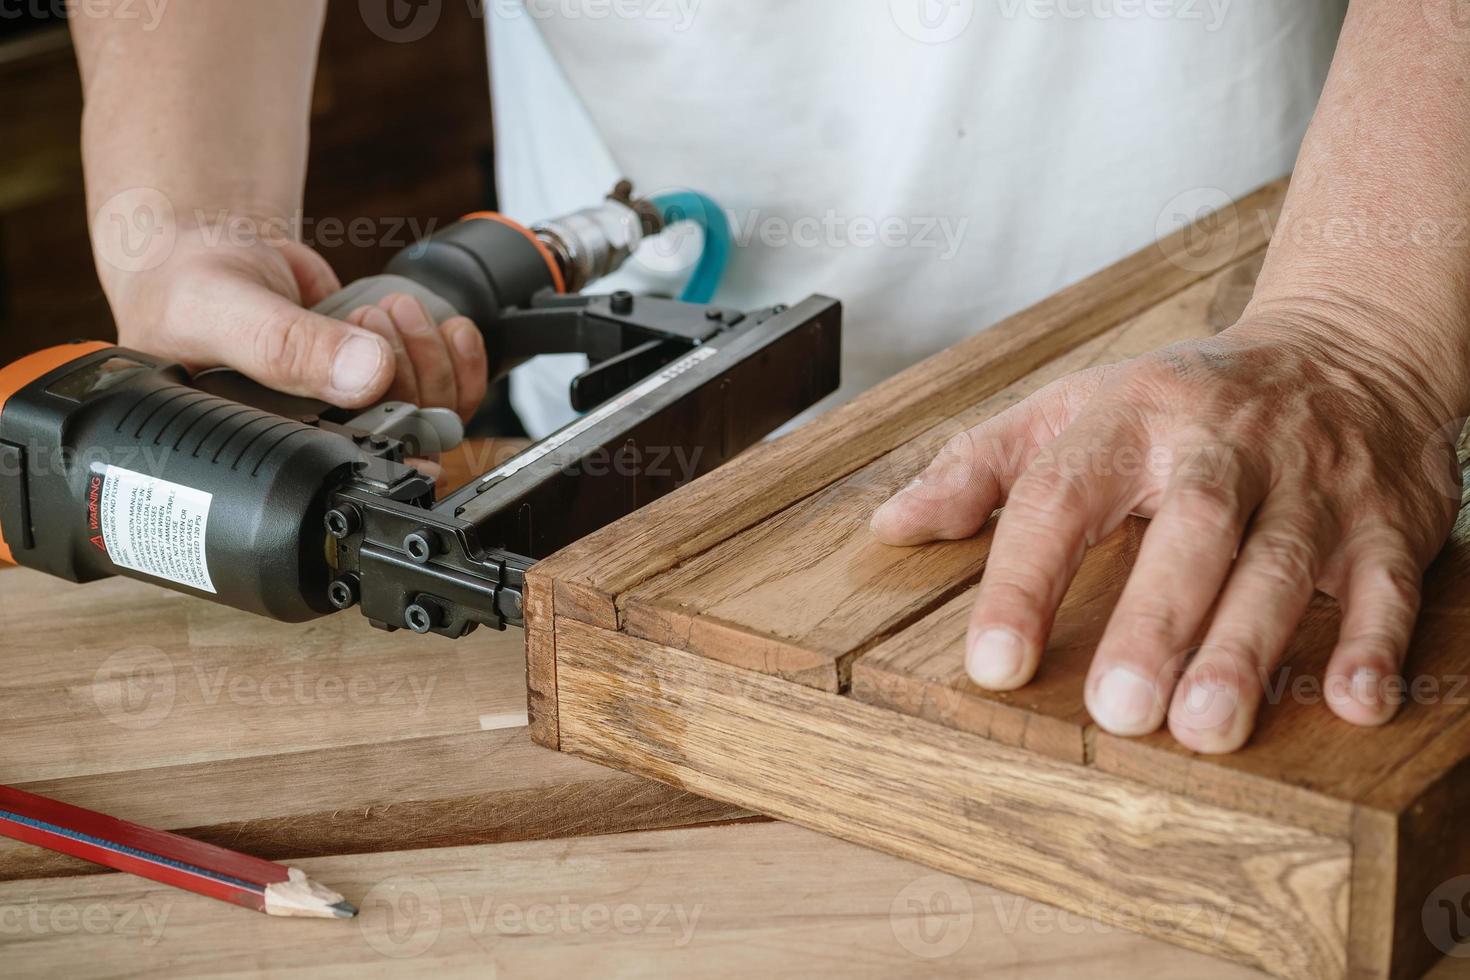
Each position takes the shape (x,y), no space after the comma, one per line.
(167,858)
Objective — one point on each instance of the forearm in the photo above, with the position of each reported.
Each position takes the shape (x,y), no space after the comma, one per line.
(1374,234)
(209,109)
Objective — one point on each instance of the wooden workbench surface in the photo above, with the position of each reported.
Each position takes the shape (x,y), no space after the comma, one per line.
(401,769)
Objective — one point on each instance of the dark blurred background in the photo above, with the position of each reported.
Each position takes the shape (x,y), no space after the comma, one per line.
(436,168)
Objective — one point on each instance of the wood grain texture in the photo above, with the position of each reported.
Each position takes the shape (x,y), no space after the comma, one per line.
(921,670)
(283,741)
(805,591)
(1262,893)
(541,659)
(442,791)
(120,675)
(824,639)
(772,901)
(591,574)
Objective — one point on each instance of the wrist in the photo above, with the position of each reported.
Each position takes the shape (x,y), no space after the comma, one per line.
(1421,364)
(142,240)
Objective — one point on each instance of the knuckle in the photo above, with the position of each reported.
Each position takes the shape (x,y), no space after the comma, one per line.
(1044,496)
(1153,378)
(285,346)
(1399,582)
(1285,558)
(1208,509)
(1018,591)
(1152,620)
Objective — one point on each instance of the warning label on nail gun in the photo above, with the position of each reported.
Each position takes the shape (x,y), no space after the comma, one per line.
(151,526)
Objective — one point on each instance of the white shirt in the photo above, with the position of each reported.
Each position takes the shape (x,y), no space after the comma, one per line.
(935,164)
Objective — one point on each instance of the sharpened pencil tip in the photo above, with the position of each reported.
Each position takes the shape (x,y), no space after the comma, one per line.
(344,910)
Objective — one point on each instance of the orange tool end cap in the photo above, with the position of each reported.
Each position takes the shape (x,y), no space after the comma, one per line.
(557,279)
(16,376)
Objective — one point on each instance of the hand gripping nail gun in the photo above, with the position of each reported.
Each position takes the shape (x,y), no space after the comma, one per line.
(114,462)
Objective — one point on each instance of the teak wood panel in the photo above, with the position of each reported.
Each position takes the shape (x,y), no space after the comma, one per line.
(802,593)
(801,603)
(1249,889)
(591,574)
(585,580)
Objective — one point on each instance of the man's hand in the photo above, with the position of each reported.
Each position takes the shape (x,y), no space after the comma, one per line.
(207,112)
(217,304)
(1273,459)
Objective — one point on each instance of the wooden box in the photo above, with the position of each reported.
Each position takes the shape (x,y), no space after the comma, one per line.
(747,639)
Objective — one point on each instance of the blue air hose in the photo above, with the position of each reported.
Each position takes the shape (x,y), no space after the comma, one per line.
(692,206)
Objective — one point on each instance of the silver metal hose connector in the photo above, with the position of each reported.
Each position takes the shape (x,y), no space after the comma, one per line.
(596,241)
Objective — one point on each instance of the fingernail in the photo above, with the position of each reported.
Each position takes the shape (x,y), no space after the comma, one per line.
(890,505)
(377,319)
(995,659)
(1208,705)
(1127,703)
(1367,687)
(408,314)
(467,341)
(357,366)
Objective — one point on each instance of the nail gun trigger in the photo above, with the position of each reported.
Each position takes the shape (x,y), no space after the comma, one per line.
(422,430)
